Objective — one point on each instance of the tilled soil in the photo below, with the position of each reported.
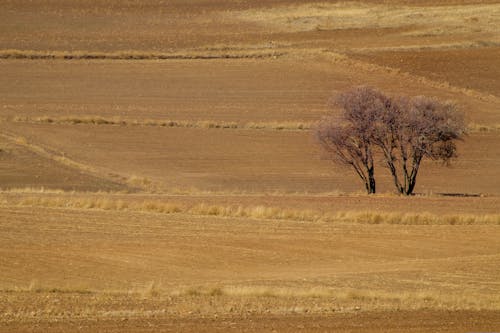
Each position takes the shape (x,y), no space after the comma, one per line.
(425,321)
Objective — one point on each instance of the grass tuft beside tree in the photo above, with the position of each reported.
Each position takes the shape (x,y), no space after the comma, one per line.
(402,130)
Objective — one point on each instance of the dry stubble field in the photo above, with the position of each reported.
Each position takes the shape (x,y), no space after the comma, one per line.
(158,172)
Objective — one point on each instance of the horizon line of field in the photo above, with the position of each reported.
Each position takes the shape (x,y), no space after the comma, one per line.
(207,124)
(258,212)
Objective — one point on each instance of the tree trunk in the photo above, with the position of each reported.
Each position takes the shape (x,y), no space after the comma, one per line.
(394,173)
(371,188)
(413,177)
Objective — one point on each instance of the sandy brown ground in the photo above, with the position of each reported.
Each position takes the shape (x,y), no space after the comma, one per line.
(258,161)
(225,159)
(421,322)
(468,68)
(175,272)
(91,269)
(76,248)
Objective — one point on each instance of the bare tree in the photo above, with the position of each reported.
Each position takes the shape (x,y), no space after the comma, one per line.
(410,129)
(405,130)
(350,140)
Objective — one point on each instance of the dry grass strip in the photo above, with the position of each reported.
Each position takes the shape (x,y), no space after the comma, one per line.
(135,55)
(116,121)
(253,212)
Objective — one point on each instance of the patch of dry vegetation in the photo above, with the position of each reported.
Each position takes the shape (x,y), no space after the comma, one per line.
(363,298)
(438,20)
(474,128)
(253,212)
(136,55)
(97,120)
(280,125)
(237,300)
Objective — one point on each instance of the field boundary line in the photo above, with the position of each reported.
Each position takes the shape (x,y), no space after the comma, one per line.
(207,124)
(60,158)
(135,55)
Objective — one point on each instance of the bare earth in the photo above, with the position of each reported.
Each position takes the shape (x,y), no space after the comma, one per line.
(158,172)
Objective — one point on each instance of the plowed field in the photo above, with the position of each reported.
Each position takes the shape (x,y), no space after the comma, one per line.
(158,170)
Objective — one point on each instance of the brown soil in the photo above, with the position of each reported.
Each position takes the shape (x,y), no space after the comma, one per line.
(175,272)
(19,165)
(468,68)
(95,268)
(399,321)
(74,249)
(248,160)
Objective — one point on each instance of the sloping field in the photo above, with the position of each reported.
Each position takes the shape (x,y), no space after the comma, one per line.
(71,249)
(202,92)
(158,171)
(229,90)
(248,160)
(21,167)
(158,266)
(240,90)
(201,24)
(467,68)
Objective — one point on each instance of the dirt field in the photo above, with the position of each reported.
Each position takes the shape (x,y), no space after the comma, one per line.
(159,266)
(158,171)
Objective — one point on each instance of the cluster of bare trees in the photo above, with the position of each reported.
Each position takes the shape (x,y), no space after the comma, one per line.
(401,131)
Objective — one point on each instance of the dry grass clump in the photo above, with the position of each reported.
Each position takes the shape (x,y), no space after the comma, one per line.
(483,128)
(142,182)
(213,124)
(74,203)
(158,207)
(285,125)
(254,212)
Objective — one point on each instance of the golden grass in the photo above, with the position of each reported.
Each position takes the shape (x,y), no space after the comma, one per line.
(474,128)
(136,55)
(280,125)
(45,190)
(430,20)
(312,299)
(97,120)
(36,287)
(365,298)
(143,183)
(253,212)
